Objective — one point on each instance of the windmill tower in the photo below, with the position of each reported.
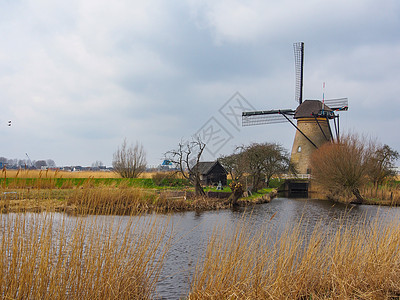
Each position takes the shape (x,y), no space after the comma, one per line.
(312,117)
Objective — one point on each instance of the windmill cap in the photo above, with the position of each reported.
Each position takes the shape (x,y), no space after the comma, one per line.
(310,108)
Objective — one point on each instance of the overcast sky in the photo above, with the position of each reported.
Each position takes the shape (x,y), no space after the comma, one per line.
(77,77)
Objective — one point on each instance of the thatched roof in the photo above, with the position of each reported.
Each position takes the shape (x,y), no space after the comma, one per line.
(309,108)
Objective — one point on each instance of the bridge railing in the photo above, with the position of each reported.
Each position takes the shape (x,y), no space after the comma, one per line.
(297,176)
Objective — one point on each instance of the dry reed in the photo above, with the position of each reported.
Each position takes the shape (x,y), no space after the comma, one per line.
(384,195)
(131,201)
(111,200)
(86,258)
(387,195)
(361,262)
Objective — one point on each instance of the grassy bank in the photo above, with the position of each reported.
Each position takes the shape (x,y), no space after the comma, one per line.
(63,180)
(110,201)
(387,195)
(51,191)
(66,183)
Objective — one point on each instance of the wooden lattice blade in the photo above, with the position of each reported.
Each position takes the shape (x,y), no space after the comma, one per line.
(337,104)
(266,117)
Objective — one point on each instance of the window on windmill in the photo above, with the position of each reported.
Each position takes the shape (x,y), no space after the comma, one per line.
(299,149)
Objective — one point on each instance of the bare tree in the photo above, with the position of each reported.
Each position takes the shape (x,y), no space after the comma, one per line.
(186,159)
(342,168)
(129,161)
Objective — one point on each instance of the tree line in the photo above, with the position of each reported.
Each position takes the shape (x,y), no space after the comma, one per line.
(338,167)
(26,163)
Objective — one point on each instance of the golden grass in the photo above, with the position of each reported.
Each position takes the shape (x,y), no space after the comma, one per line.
(131,200)
(111,200)
(351,263)
(148,174)
(105,200)
(25,173)
(83,259)
(22,173)
(165,173)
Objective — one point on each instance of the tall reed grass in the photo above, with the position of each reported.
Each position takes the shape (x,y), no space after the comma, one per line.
(361,262)
(42,257)
(111,200)
(386,194)
(131,200)
(50,256)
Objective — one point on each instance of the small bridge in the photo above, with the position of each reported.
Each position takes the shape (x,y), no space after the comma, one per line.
(296,186)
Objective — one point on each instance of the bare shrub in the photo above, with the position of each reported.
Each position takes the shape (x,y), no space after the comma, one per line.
(129,161)
(341,169)
(111,201)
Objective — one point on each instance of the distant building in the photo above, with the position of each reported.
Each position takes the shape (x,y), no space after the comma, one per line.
(212,172)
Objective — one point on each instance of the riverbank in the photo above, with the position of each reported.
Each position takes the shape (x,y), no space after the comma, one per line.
(99,193)
(120,200)
(107,193)
(387,195)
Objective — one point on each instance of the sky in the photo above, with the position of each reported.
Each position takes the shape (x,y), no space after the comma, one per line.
(78,77)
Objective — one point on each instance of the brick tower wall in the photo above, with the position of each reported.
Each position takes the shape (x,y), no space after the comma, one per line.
(302,148)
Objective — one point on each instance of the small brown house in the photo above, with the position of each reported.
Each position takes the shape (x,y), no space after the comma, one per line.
(212,172)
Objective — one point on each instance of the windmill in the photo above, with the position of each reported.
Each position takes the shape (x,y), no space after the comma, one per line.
(313,118)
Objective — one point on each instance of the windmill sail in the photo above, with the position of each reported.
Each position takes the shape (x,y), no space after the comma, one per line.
(266,117)
(337,104)
(311,118)
(299,63)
